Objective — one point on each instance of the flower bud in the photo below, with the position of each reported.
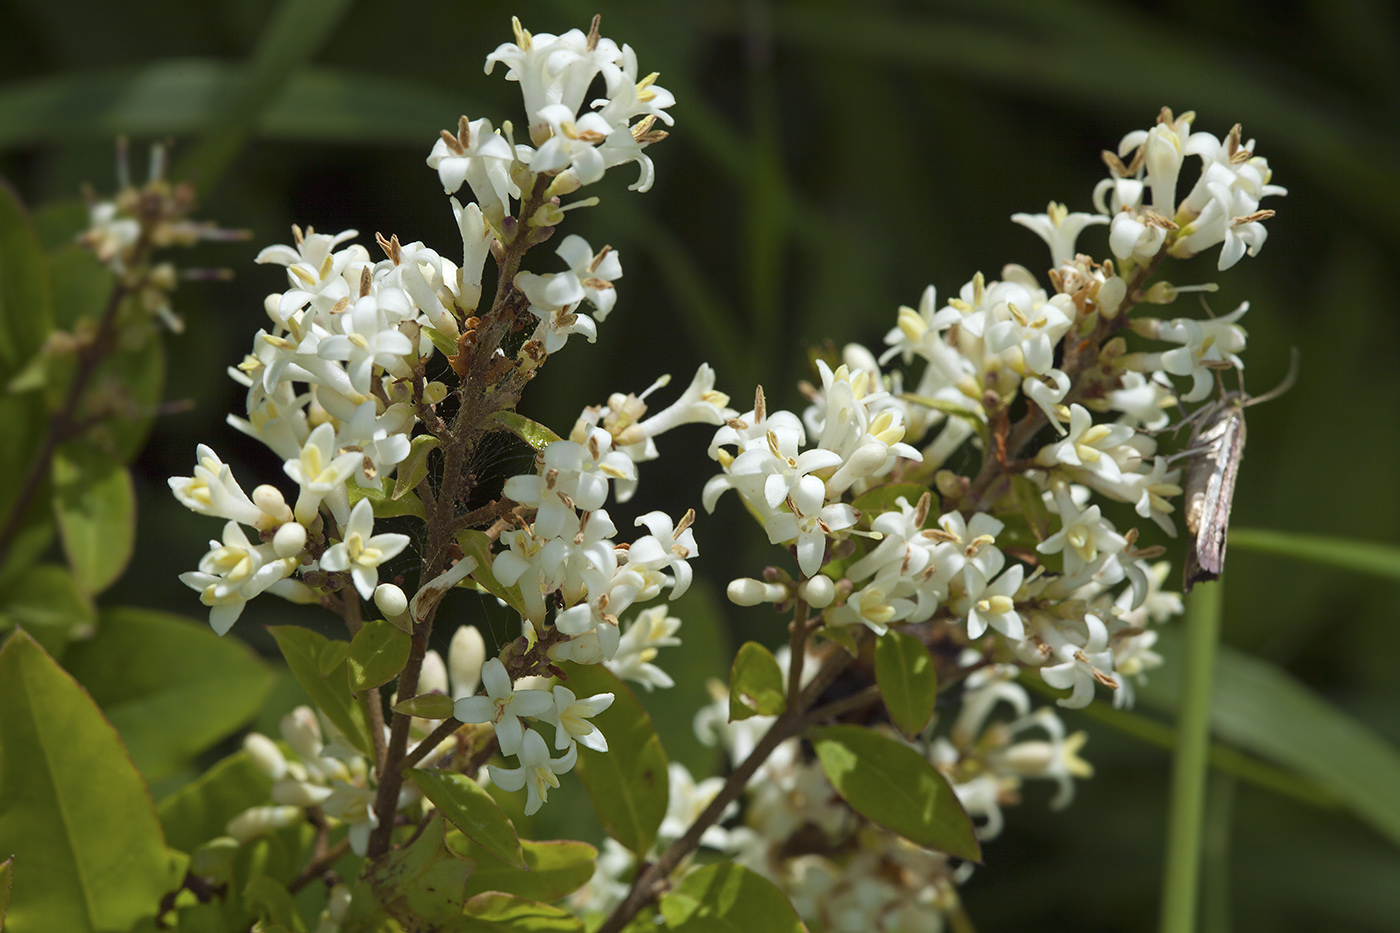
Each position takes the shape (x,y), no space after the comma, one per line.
(257,821)
(265,754)
(303,733)
(214,859)
(289,540)
(292,793)
(465,656)
(390,600)
(746,591)
(819,591)
(432,677)
(269,501)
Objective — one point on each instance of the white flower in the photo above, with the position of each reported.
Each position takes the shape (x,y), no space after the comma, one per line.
(571,715)
(651,630)
(537,772)
(479,156)
(668,546)
(321,473)
(993,604)
(502,707)
(233,572)
(360,551)
(1059,229)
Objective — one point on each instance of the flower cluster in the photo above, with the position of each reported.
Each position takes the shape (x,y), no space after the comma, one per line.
(348,385)
(1019,554)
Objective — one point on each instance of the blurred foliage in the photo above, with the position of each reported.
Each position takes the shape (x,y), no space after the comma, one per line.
(829,161)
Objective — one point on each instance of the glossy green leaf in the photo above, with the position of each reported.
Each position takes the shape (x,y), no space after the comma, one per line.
(26,305)
(628,783)
(333,654)
(468,806)
(553,869)
(755,684)
(895,786)
(1262,709)
(415,466)
(423,883)
(907,679)
(46,602)
(531,432)
(96,508)
(378,652)
(201,809)
(383,502)
(170,685)
(1370,557)
(426,706)
(74,812)
(476,544)
(330,691)
(501,913)
(728,898)
(273,903)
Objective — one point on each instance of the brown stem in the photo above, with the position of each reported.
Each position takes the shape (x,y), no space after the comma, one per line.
(652,879)
(482,391)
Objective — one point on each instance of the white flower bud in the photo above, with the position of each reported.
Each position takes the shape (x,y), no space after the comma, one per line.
(339,902)
(289,540)
(818,591)
(465,655)
(434,392)
(432,677)
(390,600)
(271,304)
(746,591)
(265,755)
(257,821)
(269,500)
(292,793)
(303,733)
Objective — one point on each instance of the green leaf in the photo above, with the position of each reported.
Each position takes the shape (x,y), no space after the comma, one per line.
(170,686)
(96,508)
(423,883)
(755,684)
(383,502)
(476,544)
(415,466)
(1372,557)
(330,691)
(333,654)
(74,812)
(501,913)
(908,682)
(552,869)
(728,899)
(377,653)
(47,603)
(531,432)
(274,903)
(468,806)
(140,372)
(201,809)
(26,305)
(895,786)
(628,783)
(426,706)
(25,425)
(445,343)
(1259,708)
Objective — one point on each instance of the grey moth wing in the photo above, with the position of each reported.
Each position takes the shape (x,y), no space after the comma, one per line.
(1216,447)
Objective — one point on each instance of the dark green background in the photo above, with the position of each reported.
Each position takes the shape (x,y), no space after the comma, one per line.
(830,160)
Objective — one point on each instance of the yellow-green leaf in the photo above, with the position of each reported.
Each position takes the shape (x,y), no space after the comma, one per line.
(468,806)
(908,682)
(96,508)
(755,684)
(728,898)
(378,652)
